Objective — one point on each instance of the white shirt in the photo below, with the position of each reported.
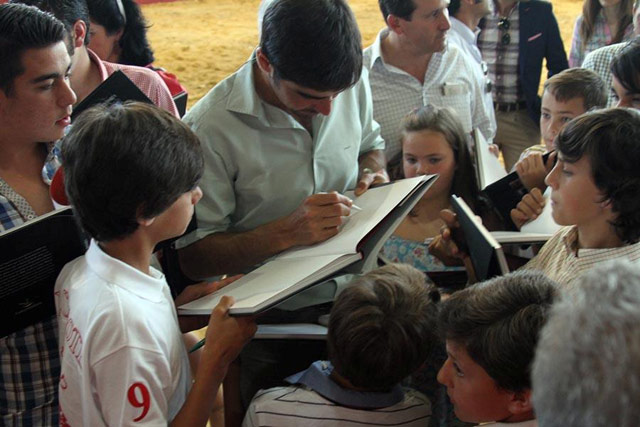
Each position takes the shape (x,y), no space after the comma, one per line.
(450,81)
(467,41)
(123,358)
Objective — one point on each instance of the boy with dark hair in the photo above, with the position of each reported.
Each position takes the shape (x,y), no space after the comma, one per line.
(88,71)
(35,106)
(131,173)
(491,330)
(381,329)
(594,195)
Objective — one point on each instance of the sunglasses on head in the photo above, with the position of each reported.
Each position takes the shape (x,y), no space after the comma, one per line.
(504,25)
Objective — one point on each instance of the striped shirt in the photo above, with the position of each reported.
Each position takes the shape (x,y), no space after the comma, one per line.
(600,37)
(561,259)
(502,58)
(29,361)
(315,400)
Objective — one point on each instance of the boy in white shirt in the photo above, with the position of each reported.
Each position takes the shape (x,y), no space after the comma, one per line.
(131,173)
(491,330)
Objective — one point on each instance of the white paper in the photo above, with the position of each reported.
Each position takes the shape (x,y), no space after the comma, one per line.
(490,169)
(544,223)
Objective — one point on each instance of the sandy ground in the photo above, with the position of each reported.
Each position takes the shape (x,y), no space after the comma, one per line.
(203,41)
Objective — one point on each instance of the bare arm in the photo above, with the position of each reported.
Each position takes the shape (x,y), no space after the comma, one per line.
(315,220)
(225,338)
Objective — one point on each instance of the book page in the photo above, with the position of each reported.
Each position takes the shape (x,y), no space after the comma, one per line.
(489,167)
(544,223)
(376,204)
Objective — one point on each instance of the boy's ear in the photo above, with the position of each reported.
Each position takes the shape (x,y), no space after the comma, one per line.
(521,402)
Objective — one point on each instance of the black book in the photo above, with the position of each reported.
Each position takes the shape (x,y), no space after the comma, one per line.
(118,87)
(504,194)
(31,257)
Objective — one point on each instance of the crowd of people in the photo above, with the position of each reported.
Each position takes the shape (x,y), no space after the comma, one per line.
(260,165)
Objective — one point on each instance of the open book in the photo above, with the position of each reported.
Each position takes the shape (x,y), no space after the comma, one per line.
(354,250)
(31,256)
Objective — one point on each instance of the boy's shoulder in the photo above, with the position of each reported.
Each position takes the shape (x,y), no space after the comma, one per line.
(297,404)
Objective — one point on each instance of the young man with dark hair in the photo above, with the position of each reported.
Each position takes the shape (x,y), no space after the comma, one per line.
(88,71)
(381,329)
(123,358)
(514,41)
(35,107)
(283,138)
(283,134)
(411,65)
(491,330)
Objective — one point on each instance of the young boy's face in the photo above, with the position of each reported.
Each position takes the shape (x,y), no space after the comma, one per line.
(625,97)
(475,395)
(556,114)
(39,107)
(174,221)
(575,199)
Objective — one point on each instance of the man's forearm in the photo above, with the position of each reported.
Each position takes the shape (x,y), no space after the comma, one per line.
(231,253)
(373,160)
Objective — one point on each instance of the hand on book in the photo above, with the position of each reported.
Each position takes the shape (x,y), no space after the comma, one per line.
(192,293)
(226,335)
(532,170)
(369,178)
(529,208)
(495,150)
(317,218)
(449,246)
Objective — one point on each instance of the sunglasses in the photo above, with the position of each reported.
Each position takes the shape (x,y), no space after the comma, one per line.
(504,25)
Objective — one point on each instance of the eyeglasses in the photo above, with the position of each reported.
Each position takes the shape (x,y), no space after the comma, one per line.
(504,25)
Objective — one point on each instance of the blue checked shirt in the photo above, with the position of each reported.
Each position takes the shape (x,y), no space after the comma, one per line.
(29,359)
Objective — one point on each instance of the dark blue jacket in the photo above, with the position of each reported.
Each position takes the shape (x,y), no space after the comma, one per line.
(539,38)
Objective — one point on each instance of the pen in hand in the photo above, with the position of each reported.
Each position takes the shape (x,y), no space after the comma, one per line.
(197,346)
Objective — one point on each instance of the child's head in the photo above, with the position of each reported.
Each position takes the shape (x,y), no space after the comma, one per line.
(434,141)
(383,327)
(597,179)
(566,95)
(491,330)
(625,71)
(131,164)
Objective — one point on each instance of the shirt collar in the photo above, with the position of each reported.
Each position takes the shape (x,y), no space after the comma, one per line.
(376,47)
(317,378)
(465,32)
(104,74)
(244,99)
(570,240)
(120,274)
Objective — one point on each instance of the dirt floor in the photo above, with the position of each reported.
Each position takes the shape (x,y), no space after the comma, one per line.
(203,41)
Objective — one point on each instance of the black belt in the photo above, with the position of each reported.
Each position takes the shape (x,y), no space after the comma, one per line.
(510,106)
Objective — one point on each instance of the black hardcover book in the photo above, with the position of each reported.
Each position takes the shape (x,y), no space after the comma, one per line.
(504,195)
(118,87)
(31,257)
